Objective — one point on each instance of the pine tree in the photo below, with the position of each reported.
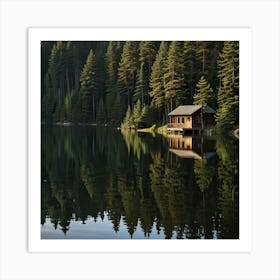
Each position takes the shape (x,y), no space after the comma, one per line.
(128,119)
(140,88)
(48,102)
(100,73)
(146,116)
(117,109)
(46,48)
(54,70)
(72,106)
(68,107)
(214,48)
(137,114)
(147,54)
(88,87)
(202,57)
(100,114)
(227,116)
(127,70)
(112,58)
(68,57)
(77,63)
(174,76)
(203,96)
(190,68)
(59,70)
(204,93)
(157,78)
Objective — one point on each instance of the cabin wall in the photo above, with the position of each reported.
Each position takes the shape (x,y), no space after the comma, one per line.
(181,121)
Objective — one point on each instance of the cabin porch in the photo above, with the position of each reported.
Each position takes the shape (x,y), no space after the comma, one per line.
(179,128)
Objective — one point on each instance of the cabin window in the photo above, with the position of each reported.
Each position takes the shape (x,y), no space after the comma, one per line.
(183,120)
(178,120)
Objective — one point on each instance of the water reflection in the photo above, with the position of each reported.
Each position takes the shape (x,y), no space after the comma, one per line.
(191,146)
(101,183)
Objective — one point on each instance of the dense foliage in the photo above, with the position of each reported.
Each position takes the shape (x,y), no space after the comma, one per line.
(105,82)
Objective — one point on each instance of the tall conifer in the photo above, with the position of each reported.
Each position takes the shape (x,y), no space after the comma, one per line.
(174,76)
(228,94)
(127,69)
(157,78)
(88,85)
(203,96)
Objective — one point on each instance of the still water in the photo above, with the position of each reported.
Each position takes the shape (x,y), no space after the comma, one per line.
(101,183)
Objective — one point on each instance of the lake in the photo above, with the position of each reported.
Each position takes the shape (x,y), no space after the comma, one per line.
(101,183)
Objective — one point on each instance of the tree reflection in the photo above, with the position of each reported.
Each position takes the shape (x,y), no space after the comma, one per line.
(134,178)
(228,190)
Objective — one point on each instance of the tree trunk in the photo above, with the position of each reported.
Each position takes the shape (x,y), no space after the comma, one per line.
(93,109)
(233,71)
(59,96)
(128,101)
(203,198)
(67,81)
(202,125)
(203,61)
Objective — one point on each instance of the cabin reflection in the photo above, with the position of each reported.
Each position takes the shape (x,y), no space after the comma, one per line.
(193,147)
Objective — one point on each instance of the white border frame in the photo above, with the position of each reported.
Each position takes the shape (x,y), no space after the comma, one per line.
(16,263)
(243,35)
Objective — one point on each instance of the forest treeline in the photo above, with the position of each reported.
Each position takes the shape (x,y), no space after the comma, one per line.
(137,83)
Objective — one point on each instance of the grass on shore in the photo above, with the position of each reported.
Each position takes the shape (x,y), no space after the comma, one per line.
(154,129)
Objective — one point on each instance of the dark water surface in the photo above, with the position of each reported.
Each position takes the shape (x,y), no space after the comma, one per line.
(100,183)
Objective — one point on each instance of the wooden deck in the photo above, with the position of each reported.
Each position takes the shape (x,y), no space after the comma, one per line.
(180,129)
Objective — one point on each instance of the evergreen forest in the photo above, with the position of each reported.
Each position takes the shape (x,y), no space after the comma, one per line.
(137,83)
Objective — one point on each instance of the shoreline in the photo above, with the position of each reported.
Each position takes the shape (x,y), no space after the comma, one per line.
(154,129)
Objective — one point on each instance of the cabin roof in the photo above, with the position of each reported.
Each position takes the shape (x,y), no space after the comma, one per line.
(189,110)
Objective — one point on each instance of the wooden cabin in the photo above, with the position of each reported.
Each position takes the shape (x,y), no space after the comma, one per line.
(187,118)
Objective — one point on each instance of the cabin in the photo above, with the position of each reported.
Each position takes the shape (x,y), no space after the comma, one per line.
(187,119)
